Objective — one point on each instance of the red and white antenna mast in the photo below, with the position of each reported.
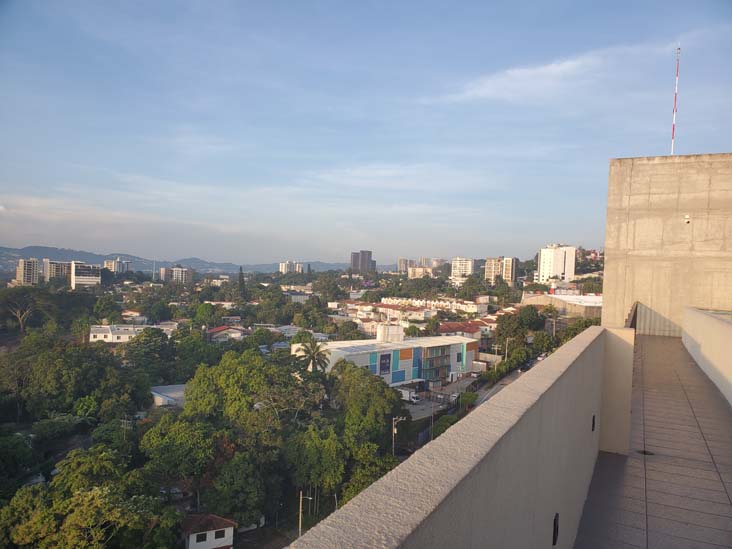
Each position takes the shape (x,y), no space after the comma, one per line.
(676,95)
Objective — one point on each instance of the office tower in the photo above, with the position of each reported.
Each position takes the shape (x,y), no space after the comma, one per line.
(361,262)
(85,275)
(556,261)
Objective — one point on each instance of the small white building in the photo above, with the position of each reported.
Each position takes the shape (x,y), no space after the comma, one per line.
(122,333)
(222,334)
(168,395)
(208,532)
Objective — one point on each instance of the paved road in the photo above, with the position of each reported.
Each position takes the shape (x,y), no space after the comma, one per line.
(424,409)
(487,394)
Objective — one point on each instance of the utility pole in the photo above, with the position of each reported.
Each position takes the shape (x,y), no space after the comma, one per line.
(432,416)
(299,523)
(507,340)
(394,422)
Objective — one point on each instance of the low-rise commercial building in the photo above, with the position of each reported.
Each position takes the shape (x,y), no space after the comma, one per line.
(399,361)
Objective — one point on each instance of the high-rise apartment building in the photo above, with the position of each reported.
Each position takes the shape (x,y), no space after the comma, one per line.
(56,269)
(556,261)
(290,267)
(177,274)
(83,275)
(505,267)
(462,267)
(117,266)
(403,264)
(361,262)
(26,272)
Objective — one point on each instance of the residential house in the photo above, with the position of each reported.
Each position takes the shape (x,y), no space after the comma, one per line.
(208,532)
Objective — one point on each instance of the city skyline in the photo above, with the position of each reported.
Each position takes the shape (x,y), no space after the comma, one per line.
(252,134)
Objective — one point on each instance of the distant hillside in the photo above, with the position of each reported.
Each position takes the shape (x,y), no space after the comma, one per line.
(9,258)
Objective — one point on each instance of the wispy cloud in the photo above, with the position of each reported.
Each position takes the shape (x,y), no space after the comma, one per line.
(530,83)
(399,177)
(191,142)
(563,77)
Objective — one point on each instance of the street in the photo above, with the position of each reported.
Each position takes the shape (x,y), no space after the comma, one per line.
(487,394)
(424,409)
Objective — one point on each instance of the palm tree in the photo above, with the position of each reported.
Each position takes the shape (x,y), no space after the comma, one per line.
(315,355)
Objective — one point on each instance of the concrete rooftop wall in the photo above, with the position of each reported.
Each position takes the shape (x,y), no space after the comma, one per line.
(498,477)
(707,337)
(652,254)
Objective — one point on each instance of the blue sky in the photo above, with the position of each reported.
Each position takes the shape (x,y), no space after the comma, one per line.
(253,132)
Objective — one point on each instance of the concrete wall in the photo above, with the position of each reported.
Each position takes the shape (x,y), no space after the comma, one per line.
(652,255)
(708,336)
(497,477)
(564,307)
(617,389)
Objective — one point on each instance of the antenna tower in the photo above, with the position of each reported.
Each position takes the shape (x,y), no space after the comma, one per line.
(676,95)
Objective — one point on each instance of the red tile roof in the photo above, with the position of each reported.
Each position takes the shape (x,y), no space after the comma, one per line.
(194,524)
(224,328)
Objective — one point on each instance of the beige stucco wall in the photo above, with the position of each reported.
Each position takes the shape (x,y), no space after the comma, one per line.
(497,477)
(617,389)
(564,307)
(708,338)
(652,255)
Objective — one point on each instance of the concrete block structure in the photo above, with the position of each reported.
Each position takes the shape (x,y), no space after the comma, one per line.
(668,239)
(707,336)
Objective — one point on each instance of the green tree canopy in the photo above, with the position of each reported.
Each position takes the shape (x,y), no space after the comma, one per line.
(529,318)
(152,352)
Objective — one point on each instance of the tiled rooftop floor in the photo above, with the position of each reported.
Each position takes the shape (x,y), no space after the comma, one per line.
(677,495)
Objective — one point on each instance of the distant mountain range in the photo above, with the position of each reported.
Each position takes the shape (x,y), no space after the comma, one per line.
(9,258)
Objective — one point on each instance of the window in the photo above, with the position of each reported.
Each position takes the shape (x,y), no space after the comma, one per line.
(460,357)
(105,336)
(200,538)
(119,337)
(219,534)
(94,336)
